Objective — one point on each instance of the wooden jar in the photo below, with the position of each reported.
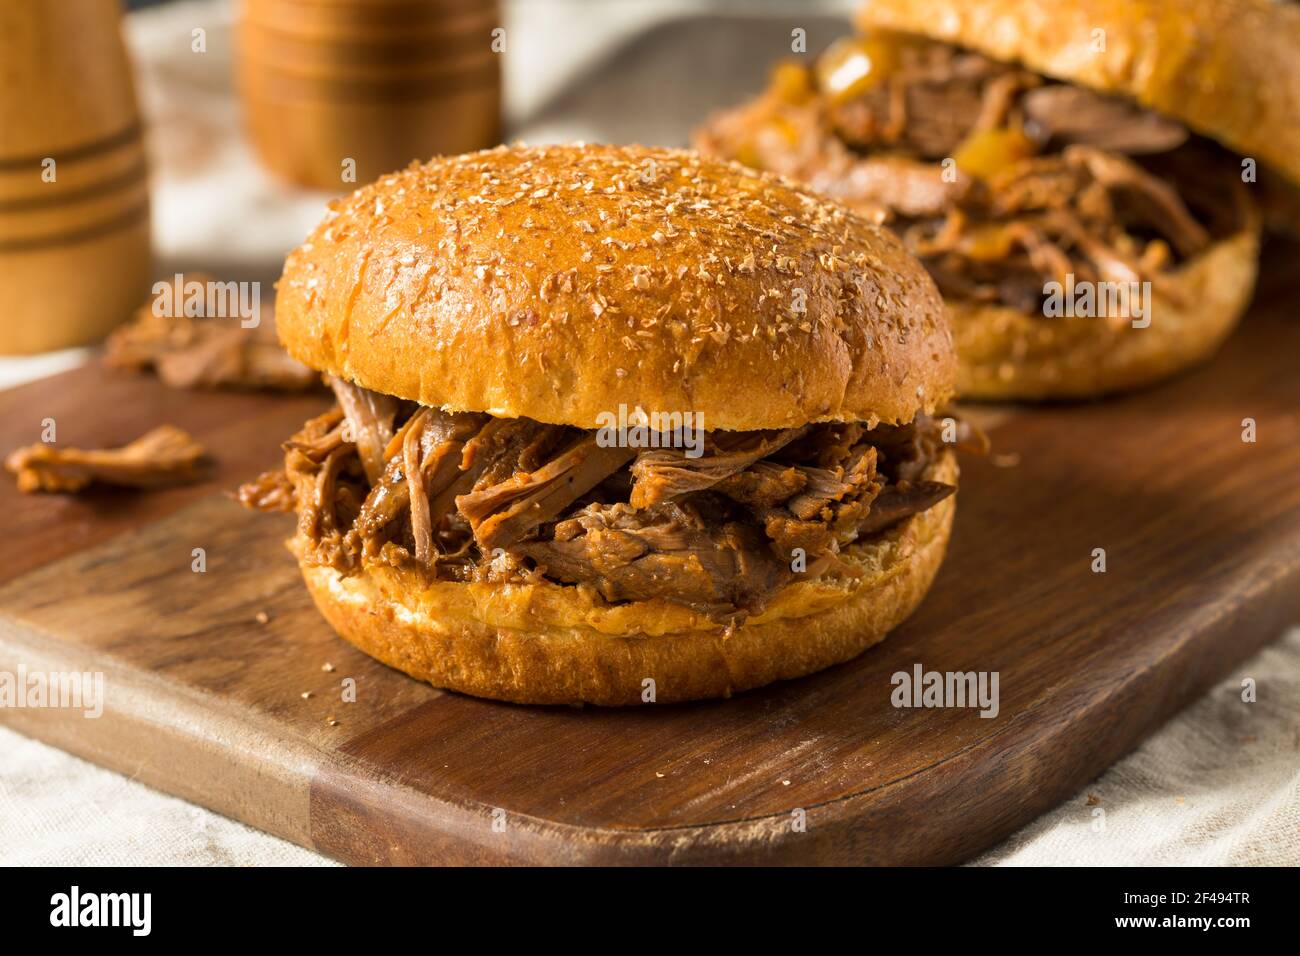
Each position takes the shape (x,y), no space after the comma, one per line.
(380,82)
(74,201)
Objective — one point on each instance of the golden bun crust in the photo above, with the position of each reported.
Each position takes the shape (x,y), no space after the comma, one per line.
(555,644)
(1226,68)
(561,282)
(1007,354)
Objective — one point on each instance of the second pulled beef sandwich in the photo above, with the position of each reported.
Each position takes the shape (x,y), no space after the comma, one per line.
(460,516)
(1084,142)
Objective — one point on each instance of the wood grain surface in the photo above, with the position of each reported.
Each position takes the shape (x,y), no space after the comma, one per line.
(1202,538)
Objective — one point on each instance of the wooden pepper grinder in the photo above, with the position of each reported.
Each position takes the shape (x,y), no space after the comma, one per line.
(338,92)
(74,199)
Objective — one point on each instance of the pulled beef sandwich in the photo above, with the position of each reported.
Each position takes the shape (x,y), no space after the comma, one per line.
(463,517)
(1079,145)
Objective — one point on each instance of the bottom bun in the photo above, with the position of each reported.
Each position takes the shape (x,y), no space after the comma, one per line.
(1007,354)
(547,643)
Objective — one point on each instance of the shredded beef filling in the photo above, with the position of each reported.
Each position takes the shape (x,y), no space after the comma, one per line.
(1056,179)
(467,497)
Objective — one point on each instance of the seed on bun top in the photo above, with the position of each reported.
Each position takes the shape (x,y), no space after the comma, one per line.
(562,282)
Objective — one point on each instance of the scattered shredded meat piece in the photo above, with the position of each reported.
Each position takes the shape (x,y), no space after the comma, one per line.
(197,352)
(166,455)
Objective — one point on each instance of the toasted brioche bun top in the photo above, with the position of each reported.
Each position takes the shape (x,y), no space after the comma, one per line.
(1227,68)
(561,282)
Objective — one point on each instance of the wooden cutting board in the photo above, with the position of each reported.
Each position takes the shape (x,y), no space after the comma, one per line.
(1202,539)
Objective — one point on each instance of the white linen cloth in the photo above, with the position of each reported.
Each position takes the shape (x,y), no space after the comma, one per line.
(1219,784)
